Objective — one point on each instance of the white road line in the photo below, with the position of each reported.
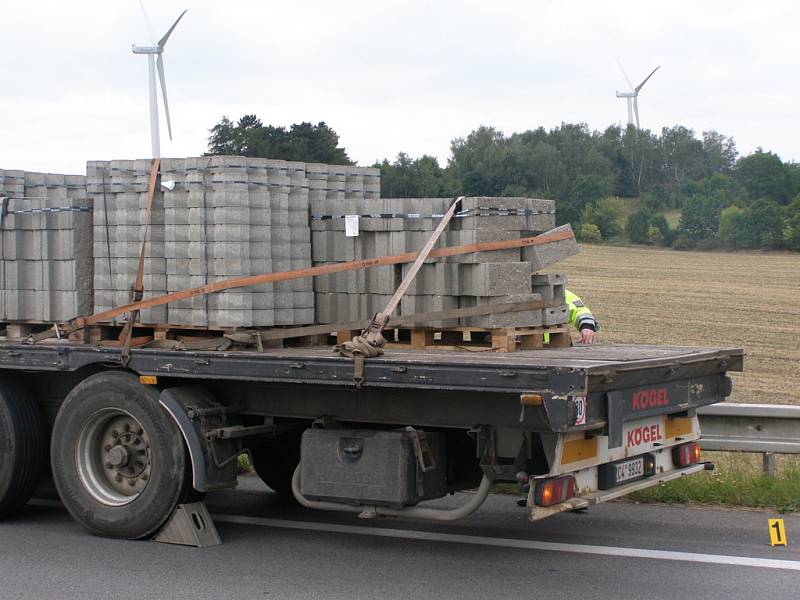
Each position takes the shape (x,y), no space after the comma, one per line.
(407,534)
(477,540)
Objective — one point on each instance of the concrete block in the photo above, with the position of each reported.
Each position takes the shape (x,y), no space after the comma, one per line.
(547,254)
(528,318)
(495,279)
(556,315)
(551,286)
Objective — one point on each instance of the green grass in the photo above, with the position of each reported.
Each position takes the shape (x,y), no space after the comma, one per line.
(737,481)
(244,464)
(673,218)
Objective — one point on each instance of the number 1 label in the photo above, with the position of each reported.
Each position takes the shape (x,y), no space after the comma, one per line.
(777,532)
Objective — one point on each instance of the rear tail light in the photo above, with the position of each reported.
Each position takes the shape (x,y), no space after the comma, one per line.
(553,491)
(686,454)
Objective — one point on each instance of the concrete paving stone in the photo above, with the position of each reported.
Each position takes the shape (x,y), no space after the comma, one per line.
(134,233)
(437,278)
(300,235)
(130,265)
(380,280)
(483,234)
(551,285)
(25,245)
(332,247)
(417,304)
(556,315)
(528,318)
(325,308)
(61,220)
(346,281)
(494,279)
(60,275)
(370,304)
(547,254)
(535,224)
(230,318)
(298,218)
(178,215)
(129,249)
(213,250)
(233,215)
(60,243)
(154,316)
(22,221)
(24,274)
(127,216)
(178,266)
(123,281)
(232,267)
(303,299)
(63,305)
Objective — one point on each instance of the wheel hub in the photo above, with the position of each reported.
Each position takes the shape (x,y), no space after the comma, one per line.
(113,455)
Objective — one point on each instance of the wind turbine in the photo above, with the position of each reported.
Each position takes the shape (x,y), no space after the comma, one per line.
(155,56)
(633,96)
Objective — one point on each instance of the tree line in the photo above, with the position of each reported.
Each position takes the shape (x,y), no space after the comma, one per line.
(614,184)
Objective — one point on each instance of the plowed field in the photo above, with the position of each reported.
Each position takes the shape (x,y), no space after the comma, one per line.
(749,300)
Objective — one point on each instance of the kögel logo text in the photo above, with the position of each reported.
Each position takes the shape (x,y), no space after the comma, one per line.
(649,399)
(645,434)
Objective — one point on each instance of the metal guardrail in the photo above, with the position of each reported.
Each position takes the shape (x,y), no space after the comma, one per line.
(767,429)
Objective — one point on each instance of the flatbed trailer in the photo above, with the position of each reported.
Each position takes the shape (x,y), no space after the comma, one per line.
(132,437)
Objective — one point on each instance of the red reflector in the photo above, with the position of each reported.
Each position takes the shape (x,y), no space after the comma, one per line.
(686,454)
(553,491)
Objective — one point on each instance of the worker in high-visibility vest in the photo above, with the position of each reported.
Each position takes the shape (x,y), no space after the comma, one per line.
(581,318)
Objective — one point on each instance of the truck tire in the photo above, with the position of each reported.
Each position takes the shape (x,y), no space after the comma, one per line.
(275,464)
(118,459)
(23,446)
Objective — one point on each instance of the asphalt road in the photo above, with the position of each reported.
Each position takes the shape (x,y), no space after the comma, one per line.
(273,550)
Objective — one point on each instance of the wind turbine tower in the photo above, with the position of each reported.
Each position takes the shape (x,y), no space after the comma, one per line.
(155,61)
(633,96)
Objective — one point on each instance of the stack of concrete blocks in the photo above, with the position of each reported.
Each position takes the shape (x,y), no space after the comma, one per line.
(118,189)
(216,218)
(46,230)
(231,217)
(393,226)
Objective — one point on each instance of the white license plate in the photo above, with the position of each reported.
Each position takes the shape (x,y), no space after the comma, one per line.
(630,469)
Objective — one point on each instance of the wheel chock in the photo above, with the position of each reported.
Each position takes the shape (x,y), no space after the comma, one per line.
(190,525)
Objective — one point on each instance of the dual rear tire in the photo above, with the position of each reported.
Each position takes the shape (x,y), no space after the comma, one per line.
(23,446)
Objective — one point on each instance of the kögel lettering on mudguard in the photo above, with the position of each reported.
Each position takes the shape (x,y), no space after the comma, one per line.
(673,397)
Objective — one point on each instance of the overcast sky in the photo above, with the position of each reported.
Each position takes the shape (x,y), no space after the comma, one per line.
(389,76)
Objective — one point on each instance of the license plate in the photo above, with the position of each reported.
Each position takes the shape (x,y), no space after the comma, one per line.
(630,469)
(613,474)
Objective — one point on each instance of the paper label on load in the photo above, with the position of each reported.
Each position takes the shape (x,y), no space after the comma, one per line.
(351,225)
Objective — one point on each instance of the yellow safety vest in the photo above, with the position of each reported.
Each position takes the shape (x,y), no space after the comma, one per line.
(579,313)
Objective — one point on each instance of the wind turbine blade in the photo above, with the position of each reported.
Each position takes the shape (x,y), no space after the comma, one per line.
(164,39)
(641,85)
(635,110)
(624,74)
(147,22)
(160,66)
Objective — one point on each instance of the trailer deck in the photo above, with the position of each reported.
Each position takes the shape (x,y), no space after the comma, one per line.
(575,370)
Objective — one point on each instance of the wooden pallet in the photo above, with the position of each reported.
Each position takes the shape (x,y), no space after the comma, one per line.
(506,339)
(192,337)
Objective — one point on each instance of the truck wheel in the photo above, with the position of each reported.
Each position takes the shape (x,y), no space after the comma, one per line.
(119,463)
(275,464)
(23,446)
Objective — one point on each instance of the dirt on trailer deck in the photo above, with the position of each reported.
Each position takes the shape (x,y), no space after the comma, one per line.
(659,296)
